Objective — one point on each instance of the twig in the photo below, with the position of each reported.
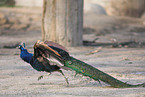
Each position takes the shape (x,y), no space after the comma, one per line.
(95,51)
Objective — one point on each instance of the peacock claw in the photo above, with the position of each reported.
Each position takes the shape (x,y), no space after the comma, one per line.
(75,74)
(40,77)
(99,82)
(64,77)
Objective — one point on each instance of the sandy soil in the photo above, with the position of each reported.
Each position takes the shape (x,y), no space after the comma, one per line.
(19,79)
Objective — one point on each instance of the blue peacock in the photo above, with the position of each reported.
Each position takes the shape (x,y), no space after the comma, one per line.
(50,57)
(40,63)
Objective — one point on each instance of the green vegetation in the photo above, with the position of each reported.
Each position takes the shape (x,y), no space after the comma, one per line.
(7,3)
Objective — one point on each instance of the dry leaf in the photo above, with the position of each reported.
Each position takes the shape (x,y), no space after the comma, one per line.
(95,51)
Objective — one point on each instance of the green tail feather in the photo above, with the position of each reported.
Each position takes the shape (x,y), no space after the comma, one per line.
(88,70)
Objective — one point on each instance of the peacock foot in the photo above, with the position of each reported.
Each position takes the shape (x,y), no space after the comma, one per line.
(40,77)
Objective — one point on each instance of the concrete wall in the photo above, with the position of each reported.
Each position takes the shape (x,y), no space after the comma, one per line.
(29,3)
(100,2)
(38,3)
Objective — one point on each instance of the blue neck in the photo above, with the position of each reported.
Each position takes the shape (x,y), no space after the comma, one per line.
(25,55)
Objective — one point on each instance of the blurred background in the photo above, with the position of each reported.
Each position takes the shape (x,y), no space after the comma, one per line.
(113,42)
(105,22)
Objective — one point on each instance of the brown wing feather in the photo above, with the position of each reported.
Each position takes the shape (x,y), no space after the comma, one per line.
(42,49)
(50,43)
(45,46)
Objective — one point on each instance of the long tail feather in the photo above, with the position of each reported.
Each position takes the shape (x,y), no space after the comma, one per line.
(88,70)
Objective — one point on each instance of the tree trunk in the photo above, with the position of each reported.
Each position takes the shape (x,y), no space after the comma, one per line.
(133,8)
(62,21)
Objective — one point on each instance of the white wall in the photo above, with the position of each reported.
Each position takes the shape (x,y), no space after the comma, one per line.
(38,3)
(29,3)
(100,2)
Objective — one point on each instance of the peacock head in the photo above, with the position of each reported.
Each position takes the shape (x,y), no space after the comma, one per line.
(21,46)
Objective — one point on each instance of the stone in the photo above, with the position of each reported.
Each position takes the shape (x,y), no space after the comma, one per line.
(13,20)
(5,26)
(2,16)
(143,16)
(3,19)
(19,26)
(94,8)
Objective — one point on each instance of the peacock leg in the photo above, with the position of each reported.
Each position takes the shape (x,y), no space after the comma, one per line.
(40,77)
(64,76)
(99,82)
(80,76)
(75,74)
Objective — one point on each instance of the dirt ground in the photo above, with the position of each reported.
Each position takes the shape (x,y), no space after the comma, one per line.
(122,56)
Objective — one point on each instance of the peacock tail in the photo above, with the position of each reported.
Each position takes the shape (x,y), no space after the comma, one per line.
(92,72)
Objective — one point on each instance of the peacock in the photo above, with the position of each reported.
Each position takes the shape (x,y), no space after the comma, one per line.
(40,63)
(51,57)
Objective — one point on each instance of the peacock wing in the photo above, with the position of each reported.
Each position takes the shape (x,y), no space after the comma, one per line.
(50,52)
(53,44)
(59,48)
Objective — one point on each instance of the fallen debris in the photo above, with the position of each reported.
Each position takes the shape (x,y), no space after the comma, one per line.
(11,45)
(95,51)
(128,44)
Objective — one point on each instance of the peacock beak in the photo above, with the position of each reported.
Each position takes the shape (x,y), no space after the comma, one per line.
(21,45)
